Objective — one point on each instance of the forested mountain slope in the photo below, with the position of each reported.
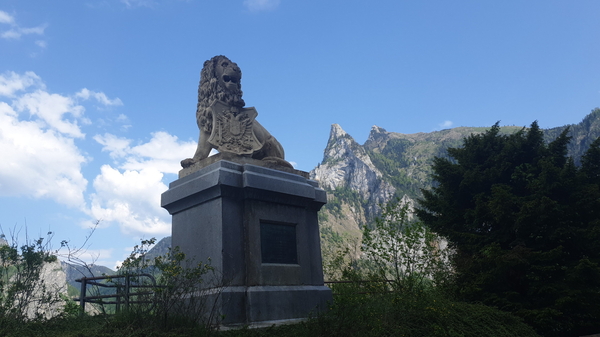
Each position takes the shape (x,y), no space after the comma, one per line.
(358,178)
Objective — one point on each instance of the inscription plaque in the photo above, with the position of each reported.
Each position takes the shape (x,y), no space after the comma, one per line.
(278,243)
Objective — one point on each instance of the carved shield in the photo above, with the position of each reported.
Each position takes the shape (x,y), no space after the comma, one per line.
(232,129)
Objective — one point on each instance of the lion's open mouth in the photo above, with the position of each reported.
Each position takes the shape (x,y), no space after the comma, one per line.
(227,78)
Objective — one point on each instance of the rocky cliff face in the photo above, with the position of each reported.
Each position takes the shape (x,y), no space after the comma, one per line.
(582,134)
(43,299)
(345,163)
(347,166)
(53,281)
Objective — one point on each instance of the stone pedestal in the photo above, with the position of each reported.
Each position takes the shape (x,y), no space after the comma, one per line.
(260,230)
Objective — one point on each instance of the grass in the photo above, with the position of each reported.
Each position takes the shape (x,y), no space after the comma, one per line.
(420,313)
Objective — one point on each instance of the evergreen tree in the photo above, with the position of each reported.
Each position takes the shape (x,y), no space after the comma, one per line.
(525,224)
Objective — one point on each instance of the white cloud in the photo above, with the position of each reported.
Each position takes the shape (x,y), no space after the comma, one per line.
(163,152)
(33,30)
(131,199)
(16,32)
(99,96)
(11,82)
(261,5)
(122,118)
(6,18)
(445,124)
(99,257)
(41,43)
(129,194)
(40,157)
(38,130)
(117,147)
(38,162)
(52,108)
(138,3)
(10,34)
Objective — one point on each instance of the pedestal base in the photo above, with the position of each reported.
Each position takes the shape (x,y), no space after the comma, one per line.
(251,305)
(259,228)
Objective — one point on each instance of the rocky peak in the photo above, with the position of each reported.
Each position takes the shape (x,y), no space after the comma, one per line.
(346,164)
(337,132)
(341,145)
(378,137)
(376,130)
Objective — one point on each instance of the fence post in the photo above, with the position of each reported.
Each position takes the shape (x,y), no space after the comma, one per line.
(118,305)
(127,293)
(82,296)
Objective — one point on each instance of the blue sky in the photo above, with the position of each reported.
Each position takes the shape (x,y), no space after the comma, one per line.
(97,98)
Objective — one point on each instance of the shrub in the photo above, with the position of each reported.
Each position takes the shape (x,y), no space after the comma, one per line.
(404,250)
(24,293)
(183,291)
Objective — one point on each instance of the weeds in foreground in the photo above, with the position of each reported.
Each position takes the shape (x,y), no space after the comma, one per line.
(168,291)
(352,314)
(364,310)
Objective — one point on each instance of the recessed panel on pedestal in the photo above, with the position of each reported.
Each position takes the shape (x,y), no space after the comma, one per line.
(278,243)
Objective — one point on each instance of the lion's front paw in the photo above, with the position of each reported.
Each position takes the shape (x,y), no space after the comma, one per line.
(187,162)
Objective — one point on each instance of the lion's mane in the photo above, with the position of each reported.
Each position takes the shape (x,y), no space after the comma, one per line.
(210,91)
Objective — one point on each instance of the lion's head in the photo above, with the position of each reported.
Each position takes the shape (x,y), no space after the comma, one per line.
(220,79)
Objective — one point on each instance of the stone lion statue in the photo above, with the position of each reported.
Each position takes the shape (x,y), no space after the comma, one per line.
(220,103)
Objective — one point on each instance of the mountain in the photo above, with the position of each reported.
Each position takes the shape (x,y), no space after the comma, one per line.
(74,272)
(161,248)
(583,134)
(358,178)
(354,184)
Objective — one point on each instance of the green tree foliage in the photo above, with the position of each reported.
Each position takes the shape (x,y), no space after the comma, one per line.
(403,250)
(183,292)
(337,253)
(343,195)
(394,162)
(24,294)
(525,224)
